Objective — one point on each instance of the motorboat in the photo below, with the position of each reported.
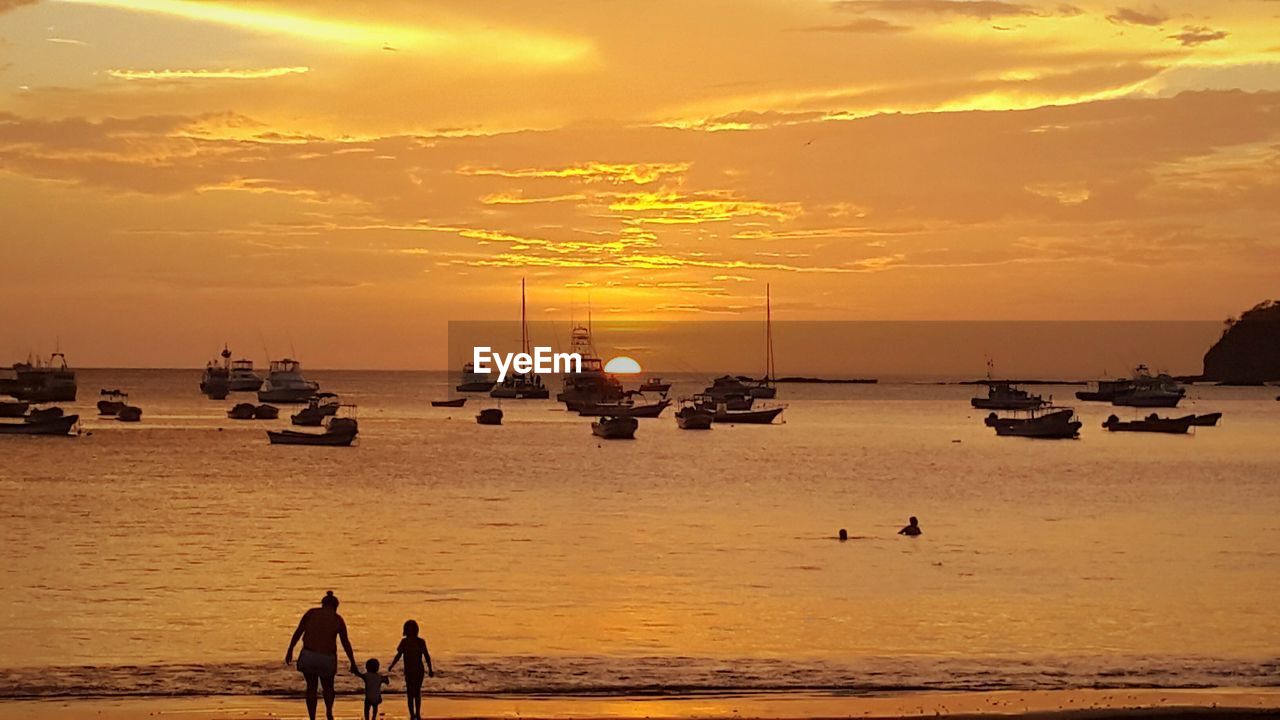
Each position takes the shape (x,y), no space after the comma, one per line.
(473,381)
(655,384)
(615,428)
(266,412)
(1004,396)
(759,416)
(730,402)
(340,432)
(692,417)
(454,403)
(114,401)
(592,385)
(60,425)
(243,377)
(129,413)
(43,414)
(242,411)
(216,381)
(14,409)
(1150,391)
(1052,423)
(1152,423)
(41,382)
(489,416)
(319,407)
(1105,390)
(626,407)
(285,384)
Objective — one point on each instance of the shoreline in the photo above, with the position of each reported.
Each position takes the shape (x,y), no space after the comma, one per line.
(1084,704)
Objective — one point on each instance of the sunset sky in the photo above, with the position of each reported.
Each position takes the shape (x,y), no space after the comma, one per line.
(345,178)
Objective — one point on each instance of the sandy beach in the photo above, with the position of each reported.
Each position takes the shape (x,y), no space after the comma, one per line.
(1065,704)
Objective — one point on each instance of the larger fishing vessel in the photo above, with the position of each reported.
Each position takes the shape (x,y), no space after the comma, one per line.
(592,385)
(42,382)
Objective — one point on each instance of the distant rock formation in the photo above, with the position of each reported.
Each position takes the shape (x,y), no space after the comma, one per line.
(1248,353)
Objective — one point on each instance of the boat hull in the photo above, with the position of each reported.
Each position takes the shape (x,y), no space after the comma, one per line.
(748,417)
(691,419)
(328,439)
(1147,401)
(489,416)
(989,404)
(13,409)
(615,428)
(458,402)
(1167,426)
(129,413)
(288,396)
(52,426)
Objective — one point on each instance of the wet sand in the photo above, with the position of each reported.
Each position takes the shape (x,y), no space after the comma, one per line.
(1055,704)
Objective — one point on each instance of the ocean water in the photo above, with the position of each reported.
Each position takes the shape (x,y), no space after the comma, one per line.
(174,557)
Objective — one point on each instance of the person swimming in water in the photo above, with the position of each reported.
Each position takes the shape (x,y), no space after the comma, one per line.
(912,529)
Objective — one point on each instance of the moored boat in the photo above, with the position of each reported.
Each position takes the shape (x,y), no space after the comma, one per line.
(285,383)
(1105,390)
(114,401)
(242,411)
(1004,396)
(243,377)
(1051,423)
(42,414)
(60,425)
(216,381)
(626,407)
(655,384)
(1206,420)
(1152,423)
(489,416)
(14,409)
(615,428)
(454,403)
(1150,391)
(129,413)
(473,381)
(340,432)
(266,412)
(692,417)
(40,382)
(759,416)
(592,385)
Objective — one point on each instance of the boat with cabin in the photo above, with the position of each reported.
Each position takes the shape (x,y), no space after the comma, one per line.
(1045,423)
(285,384)
(489,416)
(215,383)
(243,377)
(59,424)
(320,406)
(592,386)
(113,401)
(692,417)
(339,432)
(43,382)
(615,428)
(655,384)
(1105,390)
(1002,395)
(626,407)
(1150,391)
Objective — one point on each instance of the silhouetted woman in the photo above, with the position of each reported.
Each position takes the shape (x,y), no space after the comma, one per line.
(414,651)
(320,629)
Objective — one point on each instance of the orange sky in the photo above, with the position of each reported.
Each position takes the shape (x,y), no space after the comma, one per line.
(176,173)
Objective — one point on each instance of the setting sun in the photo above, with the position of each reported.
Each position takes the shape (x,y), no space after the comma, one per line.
(622,365)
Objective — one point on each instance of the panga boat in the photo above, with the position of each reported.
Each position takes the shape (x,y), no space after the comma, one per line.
(59,425)
(615,428)
(341,432)
(1206,420)
(692,417)
(761,416)
(129,413)
(319,407)
(1052,423)
(489,416)
(285,384)
(456,402)
(13,409)
(114,401)
(624,408)
(1152,423)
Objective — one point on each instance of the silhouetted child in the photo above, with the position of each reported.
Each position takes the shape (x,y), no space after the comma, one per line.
(414,651)
(912,528)
(373,682)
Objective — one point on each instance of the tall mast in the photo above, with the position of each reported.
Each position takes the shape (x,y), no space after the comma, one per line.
(524,323)
(768,332)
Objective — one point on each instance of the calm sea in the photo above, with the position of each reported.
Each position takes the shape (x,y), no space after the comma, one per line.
(175,556)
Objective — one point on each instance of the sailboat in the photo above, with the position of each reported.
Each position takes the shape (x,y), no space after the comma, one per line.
(522,386)
(764,387)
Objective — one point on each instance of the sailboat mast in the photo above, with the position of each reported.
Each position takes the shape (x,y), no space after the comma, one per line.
(524,322)
(768,332)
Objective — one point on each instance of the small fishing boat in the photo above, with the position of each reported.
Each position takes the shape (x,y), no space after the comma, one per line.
(1052,423)
(1105,390)
(129,413)
(115,401)
(13,409)
(624,408)
(1152,423)
(489,416)
(710,402)
(242,411)
(456,402)
(341,432)
(60,425)
(43,414)
(692,417)
(266,412)
(655,384)
(319,407)
(762,416)
(1004,396)
(615,428)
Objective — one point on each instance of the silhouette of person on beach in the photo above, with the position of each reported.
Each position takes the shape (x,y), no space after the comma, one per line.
(414,651)
(913,527)
(373,682)
(320,629)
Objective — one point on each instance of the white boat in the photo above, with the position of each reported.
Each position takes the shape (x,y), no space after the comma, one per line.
(285,384)
(243,377)
(1150,391)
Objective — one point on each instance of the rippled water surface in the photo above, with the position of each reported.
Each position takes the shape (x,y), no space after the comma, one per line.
(175,556)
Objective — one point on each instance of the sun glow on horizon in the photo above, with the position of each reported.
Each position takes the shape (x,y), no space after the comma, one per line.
(622,365)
